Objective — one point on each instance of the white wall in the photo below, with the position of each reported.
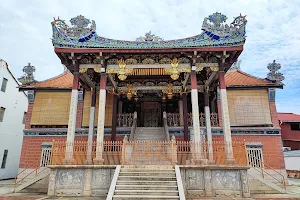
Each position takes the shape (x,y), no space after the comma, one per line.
(11,128)
(292,163)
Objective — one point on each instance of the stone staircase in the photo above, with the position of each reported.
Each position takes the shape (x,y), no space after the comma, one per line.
(149,133)
(146,183)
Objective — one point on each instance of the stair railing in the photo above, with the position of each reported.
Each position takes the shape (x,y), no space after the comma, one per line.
(133,127)
(166,128)
(34,170)
(262,171)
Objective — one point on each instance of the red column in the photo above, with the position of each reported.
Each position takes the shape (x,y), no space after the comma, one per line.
(114,119)
(185,117)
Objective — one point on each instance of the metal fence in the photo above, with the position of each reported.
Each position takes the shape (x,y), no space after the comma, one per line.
(146,152)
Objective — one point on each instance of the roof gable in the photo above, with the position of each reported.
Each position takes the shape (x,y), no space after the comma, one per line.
(238,78)
(288,117)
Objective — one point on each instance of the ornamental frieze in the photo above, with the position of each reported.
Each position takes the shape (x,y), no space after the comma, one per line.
(215,32)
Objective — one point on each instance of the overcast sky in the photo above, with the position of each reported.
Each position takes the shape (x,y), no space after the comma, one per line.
(272,32)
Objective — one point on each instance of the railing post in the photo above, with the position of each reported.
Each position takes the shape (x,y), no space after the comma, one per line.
(124,150)
(261,168)
(173,150)
(246,153)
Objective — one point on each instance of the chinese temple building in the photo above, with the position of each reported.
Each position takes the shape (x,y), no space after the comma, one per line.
(182,102)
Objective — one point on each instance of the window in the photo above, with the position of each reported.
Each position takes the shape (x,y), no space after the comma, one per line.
(4,159)
(4,83)
(24,117)
(255,155)
(46,154)
(2,110)
(295,126)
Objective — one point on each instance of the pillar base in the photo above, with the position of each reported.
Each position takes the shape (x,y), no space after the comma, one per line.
(68,162)
(98,161)
(230,161)
(211,162)
(88,162)
(199,161)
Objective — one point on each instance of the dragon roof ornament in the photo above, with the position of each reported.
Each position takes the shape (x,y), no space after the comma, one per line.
(28,74)
(149,38)
(274,75)
(82,34)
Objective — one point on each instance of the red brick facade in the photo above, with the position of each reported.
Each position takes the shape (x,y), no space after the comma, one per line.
(28,116)
(79,114)
(32,148)
(219,113)
(272,147)
(273,113)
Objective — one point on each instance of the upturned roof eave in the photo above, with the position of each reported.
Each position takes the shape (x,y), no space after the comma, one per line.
(141,50)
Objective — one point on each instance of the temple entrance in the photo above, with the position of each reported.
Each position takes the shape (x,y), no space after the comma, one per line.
(151,114)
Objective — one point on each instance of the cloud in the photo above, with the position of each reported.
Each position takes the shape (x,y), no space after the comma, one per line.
(272,31)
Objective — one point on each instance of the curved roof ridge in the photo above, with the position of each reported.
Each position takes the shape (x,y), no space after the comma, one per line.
(52,78)
(264,79)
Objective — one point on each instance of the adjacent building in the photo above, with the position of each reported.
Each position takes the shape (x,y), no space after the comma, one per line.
(290,130)
(13,108)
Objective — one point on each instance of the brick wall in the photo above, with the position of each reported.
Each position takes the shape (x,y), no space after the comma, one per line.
(219,113)
(79,114)
(273,112)
(272,147)
(28,115)
(32,148)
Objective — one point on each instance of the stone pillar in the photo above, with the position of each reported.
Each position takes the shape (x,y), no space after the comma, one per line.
(199,157)
(208,126)
(180,110)
(185,117)
(219,108)
(245,184)
(114,119)
(72,118)
(101,120)
(91,128)
(225,117)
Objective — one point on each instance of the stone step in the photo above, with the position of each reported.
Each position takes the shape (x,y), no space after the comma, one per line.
(147,170)
(135,197)
(151,173)
(148,178)
(149,192)
(146,187)
(146,182)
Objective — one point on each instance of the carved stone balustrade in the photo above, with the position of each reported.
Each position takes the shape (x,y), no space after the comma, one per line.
(174,119)
(125,119)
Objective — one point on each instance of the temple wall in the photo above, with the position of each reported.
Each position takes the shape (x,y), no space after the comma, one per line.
(87,105)
(32,148)
(51,108)
(272,147)
(249,107)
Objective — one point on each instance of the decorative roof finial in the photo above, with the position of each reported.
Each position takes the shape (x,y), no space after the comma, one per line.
(149,38)
(235,66)
(28,74)
(274,75)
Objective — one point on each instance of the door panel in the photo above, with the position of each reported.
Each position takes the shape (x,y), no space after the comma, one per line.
(152,114)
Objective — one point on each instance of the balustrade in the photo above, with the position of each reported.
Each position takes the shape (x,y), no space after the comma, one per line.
(174,119)
(125,119)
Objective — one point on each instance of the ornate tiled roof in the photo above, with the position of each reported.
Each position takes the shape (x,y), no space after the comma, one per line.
(62,81)
(82,34)
(238,78)
(232,79)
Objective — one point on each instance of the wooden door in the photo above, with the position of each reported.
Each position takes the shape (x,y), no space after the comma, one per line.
(152,113)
